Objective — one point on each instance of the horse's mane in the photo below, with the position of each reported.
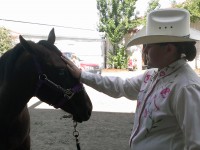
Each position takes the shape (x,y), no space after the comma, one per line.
(8,59)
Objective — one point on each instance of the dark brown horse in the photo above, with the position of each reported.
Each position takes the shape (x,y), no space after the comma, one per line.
(35,69)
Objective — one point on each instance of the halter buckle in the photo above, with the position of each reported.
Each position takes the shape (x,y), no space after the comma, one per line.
(68,93)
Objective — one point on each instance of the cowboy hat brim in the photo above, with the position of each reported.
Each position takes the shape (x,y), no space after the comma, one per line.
(142,38)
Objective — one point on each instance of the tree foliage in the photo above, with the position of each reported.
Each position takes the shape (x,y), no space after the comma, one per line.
(193,6)
(117,17)
(5,40)
(119,60)
(152,5)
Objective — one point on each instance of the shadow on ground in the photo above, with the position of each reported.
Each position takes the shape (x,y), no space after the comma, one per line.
(104,131)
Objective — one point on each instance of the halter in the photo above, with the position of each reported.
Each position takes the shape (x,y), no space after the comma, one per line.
(67,93)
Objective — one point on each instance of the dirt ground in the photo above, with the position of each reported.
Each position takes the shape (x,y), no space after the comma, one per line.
(104,131)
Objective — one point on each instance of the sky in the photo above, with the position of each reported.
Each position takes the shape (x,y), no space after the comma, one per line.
(80,14)
(72,13)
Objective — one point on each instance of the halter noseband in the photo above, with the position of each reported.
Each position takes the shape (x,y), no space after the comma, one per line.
(67,93)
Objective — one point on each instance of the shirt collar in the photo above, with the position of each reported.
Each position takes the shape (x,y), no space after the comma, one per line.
(171,68)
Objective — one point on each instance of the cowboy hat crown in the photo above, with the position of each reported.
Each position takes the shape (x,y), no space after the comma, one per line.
(166,25)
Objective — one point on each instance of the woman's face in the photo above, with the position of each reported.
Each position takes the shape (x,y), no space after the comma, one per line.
(157,55)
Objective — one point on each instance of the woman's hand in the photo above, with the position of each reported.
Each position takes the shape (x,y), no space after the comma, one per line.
(75,71)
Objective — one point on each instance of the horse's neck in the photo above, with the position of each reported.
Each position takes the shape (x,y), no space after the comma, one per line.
(15,90)
(12,100)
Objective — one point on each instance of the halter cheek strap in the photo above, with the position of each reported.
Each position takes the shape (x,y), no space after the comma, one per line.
(67,93)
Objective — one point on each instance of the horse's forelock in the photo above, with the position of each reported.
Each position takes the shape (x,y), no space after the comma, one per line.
(38,49)
(50,53)
(49,46)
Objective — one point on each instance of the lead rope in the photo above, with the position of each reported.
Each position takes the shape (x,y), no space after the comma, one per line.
(76,134)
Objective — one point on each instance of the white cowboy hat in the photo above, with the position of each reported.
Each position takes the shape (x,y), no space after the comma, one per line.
(166,25)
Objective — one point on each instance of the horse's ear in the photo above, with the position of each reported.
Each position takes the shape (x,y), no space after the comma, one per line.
(25,44)
(51,38)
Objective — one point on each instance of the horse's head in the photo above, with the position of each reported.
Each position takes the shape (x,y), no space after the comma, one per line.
(53,82)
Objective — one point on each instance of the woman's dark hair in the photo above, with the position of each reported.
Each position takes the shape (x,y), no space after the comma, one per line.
(187,48)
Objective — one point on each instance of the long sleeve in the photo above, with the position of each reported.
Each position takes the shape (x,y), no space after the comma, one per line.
(188,114)
(113,86)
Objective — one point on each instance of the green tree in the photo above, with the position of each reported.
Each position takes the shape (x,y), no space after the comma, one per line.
(5,40)
(193,6)
(152,5)
(117,17)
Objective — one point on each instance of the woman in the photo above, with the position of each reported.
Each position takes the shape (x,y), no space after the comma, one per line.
(168,96)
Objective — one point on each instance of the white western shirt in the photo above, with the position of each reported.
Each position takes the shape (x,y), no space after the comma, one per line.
(168,105)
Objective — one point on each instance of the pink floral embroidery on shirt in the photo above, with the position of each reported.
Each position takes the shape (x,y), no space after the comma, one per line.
(147,77)
(138,104)
(145,113)
(154,101)
(165,92)
(162,73)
